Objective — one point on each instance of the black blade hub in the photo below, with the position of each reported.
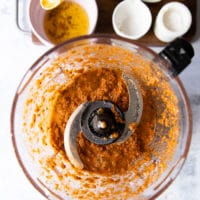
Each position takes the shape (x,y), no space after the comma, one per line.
(102,122)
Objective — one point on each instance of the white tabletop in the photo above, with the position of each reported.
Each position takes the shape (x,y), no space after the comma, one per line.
(17,53)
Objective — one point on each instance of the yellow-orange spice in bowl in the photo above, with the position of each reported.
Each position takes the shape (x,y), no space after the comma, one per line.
(69,19)
(66,21)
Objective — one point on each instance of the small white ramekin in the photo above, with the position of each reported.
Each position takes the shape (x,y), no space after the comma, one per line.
(173,20)
(131,19)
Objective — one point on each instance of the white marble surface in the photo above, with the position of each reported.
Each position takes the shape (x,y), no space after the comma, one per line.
(17,53)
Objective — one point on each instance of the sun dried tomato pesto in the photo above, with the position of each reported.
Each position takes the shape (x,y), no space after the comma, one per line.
(88,73)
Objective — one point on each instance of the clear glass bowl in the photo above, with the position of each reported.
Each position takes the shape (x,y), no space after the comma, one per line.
(31,167)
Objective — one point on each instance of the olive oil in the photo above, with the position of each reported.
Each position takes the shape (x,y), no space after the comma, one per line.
(66,21)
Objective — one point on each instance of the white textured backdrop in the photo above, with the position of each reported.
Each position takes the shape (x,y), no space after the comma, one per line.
(17,53)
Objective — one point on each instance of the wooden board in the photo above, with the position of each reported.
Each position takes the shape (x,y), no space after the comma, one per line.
(104,24)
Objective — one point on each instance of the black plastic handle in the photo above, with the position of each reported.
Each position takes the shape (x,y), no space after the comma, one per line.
(179,53)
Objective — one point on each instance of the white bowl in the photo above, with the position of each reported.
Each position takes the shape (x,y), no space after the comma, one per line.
(173,20)
(131,19)
(36,16)
(152,1)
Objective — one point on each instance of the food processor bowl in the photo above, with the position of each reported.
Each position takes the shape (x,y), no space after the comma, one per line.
(32,112)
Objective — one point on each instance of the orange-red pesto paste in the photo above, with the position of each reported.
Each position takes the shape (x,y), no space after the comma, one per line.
(94,72)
